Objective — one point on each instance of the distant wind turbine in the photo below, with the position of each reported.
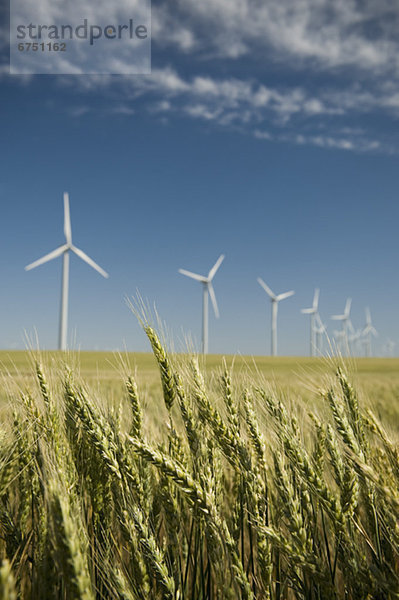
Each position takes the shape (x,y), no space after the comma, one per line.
(64,251)
(389,347)
(368,331)
(313,313)
(346,323)
(339,336)
(355,342)
(207,291)
(320,330)
(275,299)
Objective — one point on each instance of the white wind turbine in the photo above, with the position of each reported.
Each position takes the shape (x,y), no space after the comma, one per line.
(207,291)
(346,324)
(368,331)
(320,330)
(339,336)
(355,342)
(313,313)
(275,299)
(389,347)
(64,251)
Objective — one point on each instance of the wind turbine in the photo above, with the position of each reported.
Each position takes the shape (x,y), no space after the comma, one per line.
(339,336)
(368,331)
(274,300)
(320,329)
(346,324)
(389,347)
(207,291)
(64,251)
(355,342)
(313,312)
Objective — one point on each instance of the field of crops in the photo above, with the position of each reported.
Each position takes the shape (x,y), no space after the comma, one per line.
(153,476)
(298,378)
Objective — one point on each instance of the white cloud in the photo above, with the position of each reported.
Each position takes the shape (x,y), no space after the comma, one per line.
(262,135)
(160,107)
(323,118)
(351,44)
(122,109)
(358,144)
(201,111)
(318,34)
(329,33)
(79,111)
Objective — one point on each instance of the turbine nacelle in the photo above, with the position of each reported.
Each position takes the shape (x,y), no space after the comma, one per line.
(320,327)
(356,335)
(314,308)
(64,251)
(61,250)
(207,281)
(345,316)
(369,328)
(274,297)
(67,246)
(208,291)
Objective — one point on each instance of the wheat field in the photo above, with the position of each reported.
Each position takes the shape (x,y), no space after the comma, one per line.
(174,477)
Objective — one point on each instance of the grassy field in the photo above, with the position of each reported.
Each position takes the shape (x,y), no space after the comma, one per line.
(297,378)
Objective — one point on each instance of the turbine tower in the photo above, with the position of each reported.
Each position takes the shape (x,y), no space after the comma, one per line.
(355,342)
(313,313)
(368,331)
(207,291)
(64,251)
(275,299)
(320,329)
(339,336)
(346,324)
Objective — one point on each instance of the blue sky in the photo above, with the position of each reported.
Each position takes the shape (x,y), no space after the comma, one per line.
(268,133)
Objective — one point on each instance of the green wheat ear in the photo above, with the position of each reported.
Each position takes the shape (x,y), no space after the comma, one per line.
(233,499)
(137,416)
(69,543)
(167,378)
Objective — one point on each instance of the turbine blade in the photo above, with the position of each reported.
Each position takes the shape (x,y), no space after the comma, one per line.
(320,322)
(348,307)
(266,288)
(316,299)
(368,316)
(338,317)
(47,257)
(193,275)
(67,219)
(89,261)
(213,299)
(215,267)
(285,295)
(308,311)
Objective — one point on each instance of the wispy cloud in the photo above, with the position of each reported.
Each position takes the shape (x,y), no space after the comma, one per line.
(322,73)
(324,117)
(318,34)
(79,111)
(327,34)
